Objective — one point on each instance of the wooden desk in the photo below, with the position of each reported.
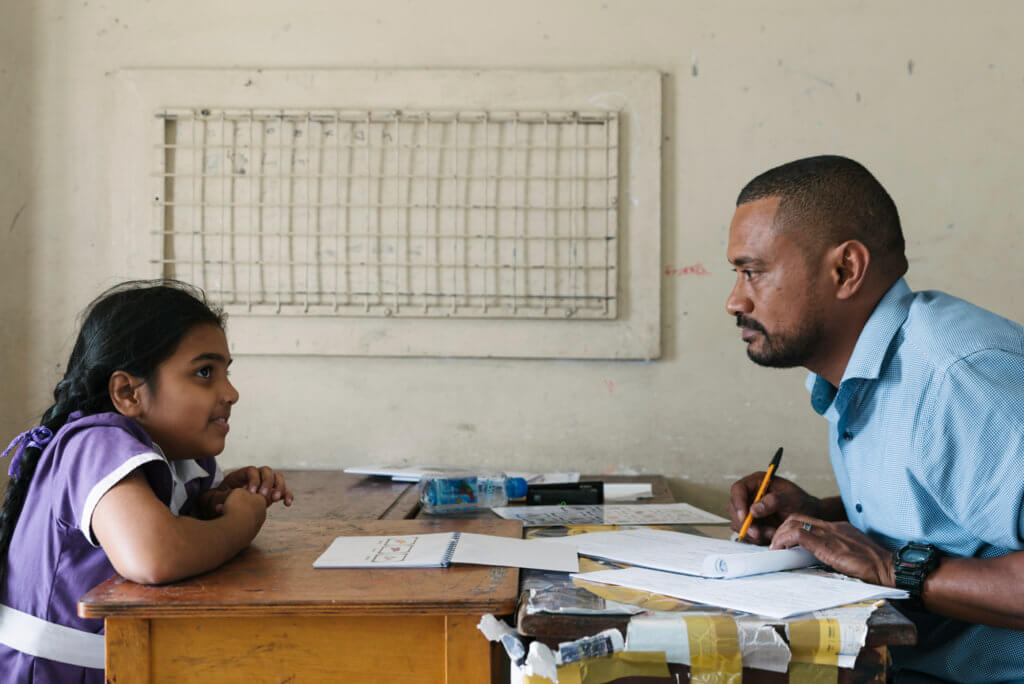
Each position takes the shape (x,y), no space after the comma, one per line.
(334,495)
(268,615)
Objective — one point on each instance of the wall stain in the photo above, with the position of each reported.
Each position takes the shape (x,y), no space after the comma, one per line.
(910,67)
(814,77)
(17,215)
(695,269)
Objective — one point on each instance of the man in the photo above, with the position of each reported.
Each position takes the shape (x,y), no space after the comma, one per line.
(924,398)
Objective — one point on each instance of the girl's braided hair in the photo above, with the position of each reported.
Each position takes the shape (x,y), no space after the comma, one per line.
(132,327)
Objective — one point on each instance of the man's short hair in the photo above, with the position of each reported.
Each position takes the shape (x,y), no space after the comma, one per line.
(828,200)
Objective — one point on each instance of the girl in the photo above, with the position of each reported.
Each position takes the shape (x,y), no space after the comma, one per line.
(121,477)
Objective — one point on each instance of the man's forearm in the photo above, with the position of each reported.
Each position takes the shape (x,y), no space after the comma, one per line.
(980,590)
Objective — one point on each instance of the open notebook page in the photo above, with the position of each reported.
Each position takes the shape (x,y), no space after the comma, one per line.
(483,549)
(442,548)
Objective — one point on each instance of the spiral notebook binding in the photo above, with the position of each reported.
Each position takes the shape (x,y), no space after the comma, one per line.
(446,560)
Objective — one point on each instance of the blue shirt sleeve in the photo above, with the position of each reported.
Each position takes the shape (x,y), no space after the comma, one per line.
(972,449)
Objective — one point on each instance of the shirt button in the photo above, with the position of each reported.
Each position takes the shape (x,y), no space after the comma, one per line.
(847,435)
(859,508)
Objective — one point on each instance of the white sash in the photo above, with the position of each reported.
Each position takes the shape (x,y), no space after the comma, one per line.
(37,637)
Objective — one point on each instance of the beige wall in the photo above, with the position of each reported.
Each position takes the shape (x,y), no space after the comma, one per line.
(929,95)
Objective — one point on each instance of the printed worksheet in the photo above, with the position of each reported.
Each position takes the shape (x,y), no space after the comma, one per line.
(611,514)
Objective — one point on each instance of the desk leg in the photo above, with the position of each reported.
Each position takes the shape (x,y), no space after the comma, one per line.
(467,652)
(128,650)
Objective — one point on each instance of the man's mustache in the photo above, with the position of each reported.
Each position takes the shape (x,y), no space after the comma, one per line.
(747,322)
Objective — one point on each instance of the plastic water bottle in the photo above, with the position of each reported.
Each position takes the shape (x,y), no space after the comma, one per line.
(469,492)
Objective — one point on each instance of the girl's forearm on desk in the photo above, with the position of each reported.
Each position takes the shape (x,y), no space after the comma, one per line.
(148,544)
(201,545)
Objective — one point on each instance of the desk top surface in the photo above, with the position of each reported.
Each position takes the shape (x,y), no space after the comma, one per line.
(332,494)
(275,576)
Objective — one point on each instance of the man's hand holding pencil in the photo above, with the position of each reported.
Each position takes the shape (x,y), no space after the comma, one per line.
(779,500)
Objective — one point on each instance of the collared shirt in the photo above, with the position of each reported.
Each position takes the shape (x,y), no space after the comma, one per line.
(926,438)
(54,558)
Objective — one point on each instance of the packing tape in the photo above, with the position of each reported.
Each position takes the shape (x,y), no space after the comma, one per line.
(612,667)
(815,641)
(815,646)
(809,673)
(536,679)
(714,649)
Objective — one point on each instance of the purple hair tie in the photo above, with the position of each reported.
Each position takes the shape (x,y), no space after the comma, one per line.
(37,437)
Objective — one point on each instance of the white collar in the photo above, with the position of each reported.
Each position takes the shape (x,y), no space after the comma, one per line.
(188,470)
(181,472)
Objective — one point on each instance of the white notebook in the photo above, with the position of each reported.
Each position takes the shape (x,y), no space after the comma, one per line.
(439,550)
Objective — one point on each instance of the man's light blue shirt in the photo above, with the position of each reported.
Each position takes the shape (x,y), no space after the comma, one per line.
(926,438)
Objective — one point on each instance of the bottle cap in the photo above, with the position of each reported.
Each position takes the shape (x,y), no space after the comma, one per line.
(515,487)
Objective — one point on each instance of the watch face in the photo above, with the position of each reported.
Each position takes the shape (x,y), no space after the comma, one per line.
(914,555)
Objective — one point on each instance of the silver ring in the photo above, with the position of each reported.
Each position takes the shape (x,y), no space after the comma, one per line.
(807,526)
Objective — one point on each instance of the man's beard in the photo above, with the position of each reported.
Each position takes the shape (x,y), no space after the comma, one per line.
(778,351)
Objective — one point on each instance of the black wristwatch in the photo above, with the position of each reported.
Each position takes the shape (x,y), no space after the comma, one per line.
(911,565)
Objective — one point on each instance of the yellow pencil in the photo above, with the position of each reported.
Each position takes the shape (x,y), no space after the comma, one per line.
(760,492)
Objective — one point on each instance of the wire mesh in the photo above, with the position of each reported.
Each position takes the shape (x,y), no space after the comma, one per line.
(392,213)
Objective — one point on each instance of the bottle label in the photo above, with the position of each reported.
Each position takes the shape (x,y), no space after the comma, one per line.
(463,491)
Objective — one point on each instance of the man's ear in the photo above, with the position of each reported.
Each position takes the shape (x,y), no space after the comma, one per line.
(124,393)
(849,267)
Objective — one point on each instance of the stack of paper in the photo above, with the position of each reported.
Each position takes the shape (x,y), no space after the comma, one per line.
(686,553)
(776,595)
(720,573)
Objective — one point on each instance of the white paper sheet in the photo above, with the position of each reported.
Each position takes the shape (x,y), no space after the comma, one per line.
(415,473)
(686,553)
(404,473)
(776,595)
(626,491)
(545,478)
(484,549)
(613,514)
